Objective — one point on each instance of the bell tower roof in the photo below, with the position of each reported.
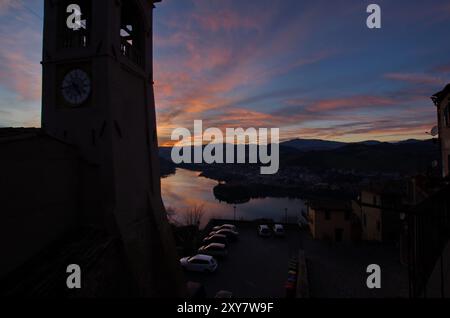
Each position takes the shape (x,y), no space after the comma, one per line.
(440,96)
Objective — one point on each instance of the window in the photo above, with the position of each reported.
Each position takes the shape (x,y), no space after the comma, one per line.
(447,115)
(132,33)
(375,200)
(327,215)
(69,38)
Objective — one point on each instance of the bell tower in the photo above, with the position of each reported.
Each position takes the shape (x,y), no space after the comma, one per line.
(98,96)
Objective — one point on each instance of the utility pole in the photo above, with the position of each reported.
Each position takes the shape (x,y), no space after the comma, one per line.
(286,212)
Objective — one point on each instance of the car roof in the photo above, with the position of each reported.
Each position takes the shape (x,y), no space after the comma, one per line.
(217,245)
(278,226)
(202,257)
(264,226)
(217,236)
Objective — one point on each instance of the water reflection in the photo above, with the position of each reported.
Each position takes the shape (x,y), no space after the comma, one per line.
(186,189)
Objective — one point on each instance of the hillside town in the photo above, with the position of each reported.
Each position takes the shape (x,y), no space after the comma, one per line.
(400,222)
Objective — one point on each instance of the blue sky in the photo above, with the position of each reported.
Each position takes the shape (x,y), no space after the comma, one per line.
(311,68)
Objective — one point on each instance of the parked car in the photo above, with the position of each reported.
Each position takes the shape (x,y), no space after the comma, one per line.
(214,249)
(278,230)
(303,220)
(199,263)
(218,238)
(264,231)
(225,227)
(230,234)
(224,294)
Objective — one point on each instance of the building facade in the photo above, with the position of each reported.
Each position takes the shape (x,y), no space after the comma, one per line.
(442,102)
(378,214)
(331,221)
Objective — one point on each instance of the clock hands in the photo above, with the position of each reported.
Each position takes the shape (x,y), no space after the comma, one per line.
(76,87)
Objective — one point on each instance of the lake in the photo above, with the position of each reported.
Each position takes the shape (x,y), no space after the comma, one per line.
(186,189)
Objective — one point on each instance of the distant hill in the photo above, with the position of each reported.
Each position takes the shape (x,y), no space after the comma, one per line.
(370,142)
(317,144)
(409,156)
(403,157)
(312,144)
(408,141)
(165,152)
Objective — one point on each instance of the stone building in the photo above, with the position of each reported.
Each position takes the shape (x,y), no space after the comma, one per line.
(378,211)
(85,188)
(331,220)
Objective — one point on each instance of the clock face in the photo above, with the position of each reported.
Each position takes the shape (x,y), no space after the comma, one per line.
(76,87)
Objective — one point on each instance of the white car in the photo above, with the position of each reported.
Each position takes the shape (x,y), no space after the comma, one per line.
(225,227)
(199,263)
(278,230)
(264,231)
(214,249)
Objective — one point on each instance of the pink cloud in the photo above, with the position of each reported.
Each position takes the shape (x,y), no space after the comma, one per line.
(20,54)
(443,68)
(226,20)
(20,74)
(362,101)
(415,78)
(211,64)
(6,5)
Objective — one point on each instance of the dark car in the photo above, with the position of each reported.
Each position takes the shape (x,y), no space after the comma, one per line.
(214,249)
(230,234)
(217,238)
(264,231)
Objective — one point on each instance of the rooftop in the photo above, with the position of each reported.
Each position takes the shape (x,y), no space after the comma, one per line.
(32,144)
(440,96)
(13,134)
(328,204)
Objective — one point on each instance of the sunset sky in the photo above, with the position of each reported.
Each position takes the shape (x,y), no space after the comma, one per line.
(311,68)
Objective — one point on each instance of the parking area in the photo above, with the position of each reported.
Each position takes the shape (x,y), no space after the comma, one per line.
(255,266)
(340,270)
(258,267)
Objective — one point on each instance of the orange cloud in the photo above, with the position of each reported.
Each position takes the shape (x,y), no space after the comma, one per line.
(351,103)
(211,63)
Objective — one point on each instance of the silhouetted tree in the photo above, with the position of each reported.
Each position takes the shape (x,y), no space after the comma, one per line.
(194,215)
